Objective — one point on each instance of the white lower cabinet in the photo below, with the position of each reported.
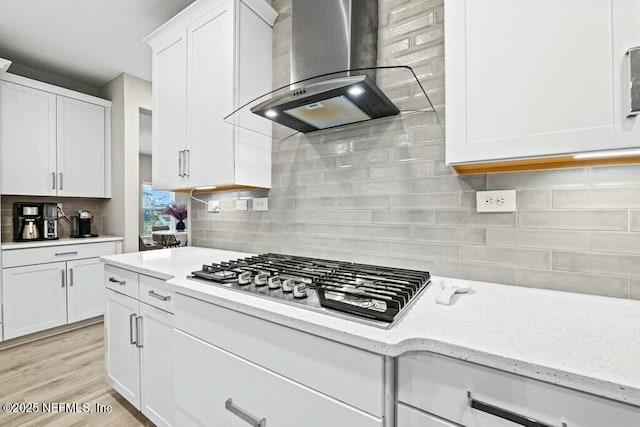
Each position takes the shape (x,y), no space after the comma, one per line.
(156,373)
(122,355)
(449,387)
(85,296)
(34,298)
(411,417)
(216,388)
(139,341)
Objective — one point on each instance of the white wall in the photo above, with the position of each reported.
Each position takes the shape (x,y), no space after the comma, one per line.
(128,94)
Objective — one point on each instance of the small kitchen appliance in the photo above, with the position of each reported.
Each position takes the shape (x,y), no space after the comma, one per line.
(374,295)
(27,221)
(81,225)
(50,221)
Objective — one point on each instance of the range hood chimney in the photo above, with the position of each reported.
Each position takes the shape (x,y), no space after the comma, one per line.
(330,36)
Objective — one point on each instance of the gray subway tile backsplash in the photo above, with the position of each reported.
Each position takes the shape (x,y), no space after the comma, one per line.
(574,282)
(608,264)
(614,220)
(593,198)
(545,239)
(380,192)
(559,178)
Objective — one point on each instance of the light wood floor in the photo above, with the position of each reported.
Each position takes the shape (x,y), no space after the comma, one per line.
(63,368)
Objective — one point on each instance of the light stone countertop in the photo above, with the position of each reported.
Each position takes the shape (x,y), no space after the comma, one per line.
(60,242)
(588,343)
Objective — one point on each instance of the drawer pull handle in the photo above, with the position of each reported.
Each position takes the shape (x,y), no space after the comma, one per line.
(156,295)
(133,339)
(139,338)
(119,282)
(505,414)
(67,253)
(244,415)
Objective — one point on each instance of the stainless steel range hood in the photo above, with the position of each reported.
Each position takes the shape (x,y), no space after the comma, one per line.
(329,36)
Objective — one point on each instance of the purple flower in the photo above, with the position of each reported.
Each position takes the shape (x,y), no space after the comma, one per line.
(179,212)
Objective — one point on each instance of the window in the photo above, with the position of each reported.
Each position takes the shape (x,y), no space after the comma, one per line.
(153,202)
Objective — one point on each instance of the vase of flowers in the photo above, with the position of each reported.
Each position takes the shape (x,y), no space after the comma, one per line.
(177,211)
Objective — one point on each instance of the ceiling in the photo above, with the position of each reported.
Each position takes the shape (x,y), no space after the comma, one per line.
(90,42)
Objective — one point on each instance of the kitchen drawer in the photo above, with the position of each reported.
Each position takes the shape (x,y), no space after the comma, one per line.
(121,280)
(348,374)
(411,417)
(30,256)
(156,292)
(439,385)
(207,380)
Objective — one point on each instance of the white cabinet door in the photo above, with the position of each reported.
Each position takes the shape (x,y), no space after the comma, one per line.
(85,289)
(80,148)
(156,368)
(411,417)
(34,298)
(535,83)
(206,378)
(210,95)
(170,112)
(123,356)
(27,140)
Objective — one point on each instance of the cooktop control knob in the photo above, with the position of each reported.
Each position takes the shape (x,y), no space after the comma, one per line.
(287,285)
(261,279)
(244,278)
(299,290)
(274,283)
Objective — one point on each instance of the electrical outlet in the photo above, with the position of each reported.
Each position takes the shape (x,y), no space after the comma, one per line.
(242,205)
(261,204)
(496,201)
(213,206)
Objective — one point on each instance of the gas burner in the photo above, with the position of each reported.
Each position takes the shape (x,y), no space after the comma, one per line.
(371,294)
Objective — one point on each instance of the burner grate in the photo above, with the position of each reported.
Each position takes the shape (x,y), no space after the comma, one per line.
(373,292)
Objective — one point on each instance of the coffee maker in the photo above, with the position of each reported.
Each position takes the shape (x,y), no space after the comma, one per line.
(27,222)
(81,225)
(50,221)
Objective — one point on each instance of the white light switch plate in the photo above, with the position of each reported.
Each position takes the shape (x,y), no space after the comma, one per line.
(213,206)
(242,205)
(261,204)
(496,201)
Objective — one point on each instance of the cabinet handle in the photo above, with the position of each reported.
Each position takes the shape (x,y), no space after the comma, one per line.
(60,180)
(139,332)
(244,415)
(180,154)
(634,84)
(67,253)
(71,277)
(156,295)
(505,414)
(187,162)
(132,320)
(62,278)
(119,282)
(53,180)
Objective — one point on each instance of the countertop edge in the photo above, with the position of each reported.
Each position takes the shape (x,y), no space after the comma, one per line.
(10,246)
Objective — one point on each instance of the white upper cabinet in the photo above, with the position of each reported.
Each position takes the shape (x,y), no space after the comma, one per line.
(28,140)
(80,148)
(53,141)
(533,79)
(169,126)
(207,61)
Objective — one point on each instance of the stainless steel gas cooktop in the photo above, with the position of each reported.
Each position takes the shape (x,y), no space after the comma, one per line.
(378,296)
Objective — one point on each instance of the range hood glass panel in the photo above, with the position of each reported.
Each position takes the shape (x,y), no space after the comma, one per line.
(398,83)
(329,113)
